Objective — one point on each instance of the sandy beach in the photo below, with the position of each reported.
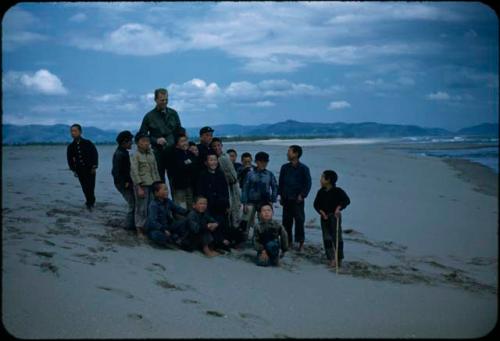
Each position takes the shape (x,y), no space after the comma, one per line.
(421,256)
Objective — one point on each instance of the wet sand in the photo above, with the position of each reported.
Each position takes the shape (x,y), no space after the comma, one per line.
(421,249)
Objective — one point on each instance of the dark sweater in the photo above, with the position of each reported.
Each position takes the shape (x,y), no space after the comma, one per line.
(329,200)
(121,167)
(294,181)
(183,169)
(160,215)
(81,154)
(214,187)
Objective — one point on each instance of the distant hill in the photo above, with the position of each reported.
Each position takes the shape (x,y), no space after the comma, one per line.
(488,129)
(59,133)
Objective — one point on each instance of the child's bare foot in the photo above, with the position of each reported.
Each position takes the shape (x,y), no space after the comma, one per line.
(226,242)
(140,232)
(332,263)
(209,252)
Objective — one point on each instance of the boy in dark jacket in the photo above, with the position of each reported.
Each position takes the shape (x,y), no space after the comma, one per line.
(82,160)
(182,172)
(161,227)
(269,237)
(212,185)
(202,227)
(121,174)
(294,186)
(329,201)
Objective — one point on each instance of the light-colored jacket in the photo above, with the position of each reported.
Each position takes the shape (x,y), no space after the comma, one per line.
(231,176)
(143,168)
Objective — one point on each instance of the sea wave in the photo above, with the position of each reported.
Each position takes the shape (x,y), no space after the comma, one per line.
(320,141)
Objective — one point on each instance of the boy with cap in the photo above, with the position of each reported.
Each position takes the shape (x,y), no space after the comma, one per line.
(206,135)
(269,237)
(143,171)
(294,186)
(121,174)
(82,160)
(329,201)
(260,187)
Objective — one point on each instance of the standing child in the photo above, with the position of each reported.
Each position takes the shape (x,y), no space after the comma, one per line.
(260,187)
(82,160)
(294,186)
(183,171)
(143,171)
(269,237)
(329,201)
(232,156)
(121,174)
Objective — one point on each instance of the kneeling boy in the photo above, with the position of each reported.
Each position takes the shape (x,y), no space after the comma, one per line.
(269,237)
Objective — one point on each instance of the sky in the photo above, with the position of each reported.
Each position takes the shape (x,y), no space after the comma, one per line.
(433,64)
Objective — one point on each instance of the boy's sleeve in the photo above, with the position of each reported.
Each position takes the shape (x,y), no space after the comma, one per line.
(256,239)
(94,155)
(192,224)
(156,174)
(316,203)
(179,209)
(152,220)
(274,188)
(307,184)
(134,171)
(244,190)
(284,239)
(344,199)
(71,165)
(281,182)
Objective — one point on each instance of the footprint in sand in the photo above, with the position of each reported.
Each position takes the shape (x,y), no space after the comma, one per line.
(120,292)
(190,301)
(215,313)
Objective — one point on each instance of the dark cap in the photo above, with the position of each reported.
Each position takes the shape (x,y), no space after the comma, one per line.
(262,156)
(138,136)
(124,136)
(206,130)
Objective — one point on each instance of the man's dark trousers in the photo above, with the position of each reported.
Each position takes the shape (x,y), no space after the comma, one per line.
(293,210)
(87,181)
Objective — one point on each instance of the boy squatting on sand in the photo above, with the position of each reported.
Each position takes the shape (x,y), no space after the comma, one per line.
(269,237)
(329,201)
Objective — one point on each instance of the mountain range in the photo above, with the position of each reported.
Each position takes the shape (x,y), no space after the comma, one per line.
(59,133)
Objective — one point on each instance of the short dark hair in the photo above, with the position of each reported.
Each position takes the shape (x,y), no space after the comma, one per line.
(191,143)
(160,91)
(296,149)
(246,154)
(178,137)
(77,126)
(216,139)
(262,156)
(156,186)
(231,151)
(259,207)
(198,197)
(210,152)
(331,176)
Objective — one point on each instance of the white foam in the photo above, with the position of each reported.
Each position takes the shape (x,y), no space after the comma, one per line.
(318,142)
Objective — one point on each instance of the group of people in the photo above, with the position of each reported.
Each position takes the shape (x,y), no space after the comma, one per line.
(214,198)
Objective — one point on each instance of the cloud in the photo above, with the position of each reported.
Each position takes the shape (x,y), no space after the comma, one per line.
(78,18)
(265,36)
(18,29)
(42,81)
(438,96)
(130,39)
(337,105)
